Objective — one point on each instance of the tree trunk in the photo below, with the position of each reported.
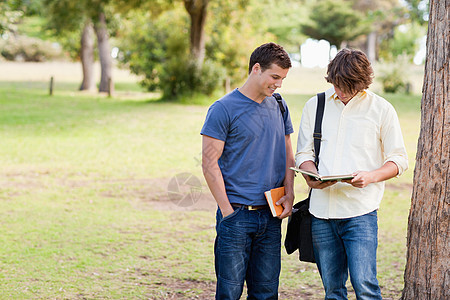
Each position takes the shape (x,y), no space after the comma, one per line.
(87,57)
(197,10)
(372,46)
(104,52)
(427,273)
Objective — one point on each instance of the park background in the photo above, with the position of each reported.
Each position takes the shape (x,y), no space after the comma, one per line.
(89,206)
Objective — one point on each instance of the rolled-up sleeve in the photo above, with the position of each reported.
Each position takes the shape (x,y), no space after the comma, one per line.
(305,142)
(392,140)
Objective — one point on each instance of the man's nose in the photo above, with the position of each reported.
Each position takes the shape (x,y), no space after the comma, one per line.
(278,83)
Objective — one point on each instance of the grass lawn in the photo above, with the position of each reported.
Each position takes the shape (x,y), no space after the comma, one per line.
(85,207)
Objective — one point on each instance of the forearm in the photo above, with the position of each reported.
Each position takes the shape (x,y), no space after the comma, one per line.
(364,178)
(309,165)
(387,171)
(214,179)
(211,152)
(290,174)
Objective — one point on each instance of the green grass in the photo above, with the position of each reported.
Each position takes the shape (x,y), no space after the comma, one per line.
(85,212)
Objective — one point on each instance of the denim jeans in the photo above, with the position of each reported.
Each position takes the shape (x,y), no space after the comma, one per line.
(247,247)
(343,246)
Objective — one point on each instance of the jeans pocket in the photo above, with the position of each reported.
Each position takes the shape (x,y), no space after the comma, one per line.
(230,216)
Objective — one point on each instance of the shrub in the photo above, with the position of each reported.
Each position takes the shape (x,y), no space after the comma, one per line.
(24,48)
(186,77)
(159,53)
(393,81)
(395,76)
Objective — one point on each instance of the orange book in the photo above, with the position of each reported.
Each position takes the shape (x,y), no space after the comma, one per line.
(272,197)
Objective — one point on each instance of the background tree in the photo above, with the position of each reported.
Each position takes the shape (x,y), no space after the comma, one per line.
(288,17)
(336,22)
(405,41)
(152,48)
(87,56)
(197,10)
(427,273)
(168,65)
(104,48)
(231,38)
(382,17)
(66,17)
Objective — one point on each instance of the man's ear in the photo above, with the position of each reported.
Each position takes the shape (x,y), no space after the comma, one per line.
(256,68)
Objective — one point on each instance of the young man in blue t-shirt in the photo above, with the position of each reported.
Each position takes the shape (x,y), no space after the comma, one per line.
(247,151)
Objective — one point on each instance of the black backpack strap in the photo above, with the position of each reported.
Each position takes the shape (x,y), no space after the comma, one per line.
(318,126)
(280,102)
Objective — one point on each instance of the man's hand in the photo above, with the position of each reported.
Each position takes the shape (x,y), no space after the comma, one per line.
(364,178)
(317,184)
(227,211)
(287,201)
(361,179)
(311,182)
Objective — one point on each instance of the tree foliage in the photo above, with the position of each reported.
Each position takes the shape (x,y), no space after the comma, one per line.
(9,17)
(287,19)
(152,48)
(335,21)
(231,38)
(418,10)
(405,41)
(67,20)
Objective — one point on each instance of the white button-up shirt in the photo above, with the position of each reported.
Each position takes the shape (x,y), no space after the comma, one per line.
(360,136)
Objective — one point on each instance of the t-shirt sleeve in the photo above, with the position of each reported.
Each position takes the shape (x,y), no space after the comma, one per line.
(288,128)
(216,122)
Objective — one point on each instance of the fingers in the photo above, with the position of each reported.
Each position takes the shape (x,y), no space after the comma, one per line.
(321,184)
(286,213)
(286,201)
(281,201)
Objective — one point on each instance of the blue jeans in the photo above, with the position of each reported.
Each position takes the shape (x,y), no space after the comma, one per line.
(247,247)
(343,246)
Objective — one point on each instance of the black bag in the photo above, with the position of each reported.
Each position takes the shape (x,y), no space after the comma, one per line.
(298,235)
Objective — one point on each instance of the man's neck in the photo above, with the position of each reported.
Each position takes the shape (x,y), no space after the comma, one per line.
(251,92)
(347,101)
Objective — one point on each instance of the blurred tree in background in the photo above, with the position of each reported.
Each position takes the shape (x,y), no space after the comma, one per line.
(286,18)
(336,22)
(199,46)
(9,17)
(418,11)
(85,17)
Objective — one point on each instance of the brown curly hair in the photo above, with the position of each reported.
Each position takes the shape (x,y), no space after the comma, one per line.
(350,71)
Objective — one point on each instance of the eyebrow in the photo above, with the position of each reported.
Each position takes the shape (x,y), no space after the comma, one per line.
(276,75)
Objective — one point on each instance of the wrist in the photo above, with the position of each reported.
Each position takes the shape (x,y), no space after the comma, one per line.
(227,211)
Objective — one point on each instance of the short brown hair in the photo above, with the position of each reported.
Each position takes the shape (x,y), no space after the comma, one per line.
(350,71)
(268,54)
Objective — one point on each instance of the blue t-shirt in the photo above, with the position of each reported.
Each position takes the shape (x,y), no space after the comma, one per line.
(254,155)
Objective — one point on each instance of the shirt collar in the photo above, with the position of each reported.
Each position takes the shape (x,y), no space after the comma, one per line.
(334,96)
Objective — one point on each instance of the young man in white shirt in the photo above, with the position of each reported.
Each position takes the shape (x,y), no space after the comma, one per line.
(360,135)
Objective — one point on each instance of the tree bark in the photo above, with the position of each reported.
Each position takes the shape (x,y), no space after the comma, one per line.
(427,272)
(197,10)
(87,57)
(104,52)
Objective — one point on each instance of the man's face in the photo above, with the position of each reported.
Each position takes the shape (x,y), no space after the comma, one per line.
(344,96)
(271,79)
